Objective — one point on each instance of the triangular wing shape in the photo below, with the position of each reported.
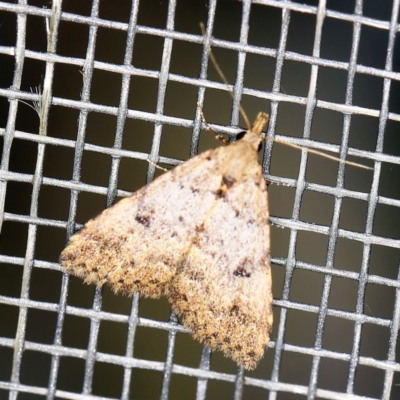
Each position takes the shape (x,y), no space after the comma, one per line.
(223,290)
(200,235)
(137,244)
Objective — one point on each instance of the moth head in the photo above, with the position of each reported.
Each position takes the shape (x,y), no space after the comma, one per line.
(241,135)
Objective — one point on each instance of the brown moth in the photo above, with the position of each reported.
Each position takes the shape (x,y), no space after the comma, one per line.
(199,234)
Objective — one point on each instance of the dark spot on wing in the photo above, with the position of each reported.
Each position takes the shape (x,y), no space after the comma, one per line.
(183,297)
(241,272)
(234,310)
(228,180)
(199,228)
(143,219)
(220,193)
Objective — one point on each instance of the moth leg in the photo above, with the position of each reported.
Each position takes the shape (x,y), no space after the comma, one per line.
(276,225)
(208,127)
(156,165)
(277,183)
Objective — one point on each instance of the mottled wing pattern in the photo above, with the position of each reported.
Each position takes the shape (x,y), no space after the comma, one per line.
(223,290)
(139,242)
(200,235)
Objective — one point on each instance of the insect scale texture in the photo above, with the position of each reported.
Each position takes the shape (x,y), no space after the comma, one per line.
(199,235)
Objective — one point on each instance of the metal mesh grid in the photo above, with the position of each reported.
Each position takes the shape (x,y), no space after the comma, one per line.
(274,385)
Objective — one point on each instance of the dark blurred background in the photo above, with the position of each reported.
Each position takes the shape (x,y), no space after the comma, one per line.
(264,31)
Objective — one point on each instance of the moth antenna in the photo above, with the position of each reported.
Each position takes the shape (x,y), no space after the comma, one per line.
(249,126)
(319,153)
(208,127)
(223,78)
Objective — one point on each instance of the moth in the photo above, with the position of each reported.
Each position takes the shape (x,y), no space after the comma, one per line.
(199,235)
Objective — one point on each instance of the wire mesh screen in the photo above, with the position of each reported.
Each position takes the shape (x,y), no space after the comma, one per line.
(116,83)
